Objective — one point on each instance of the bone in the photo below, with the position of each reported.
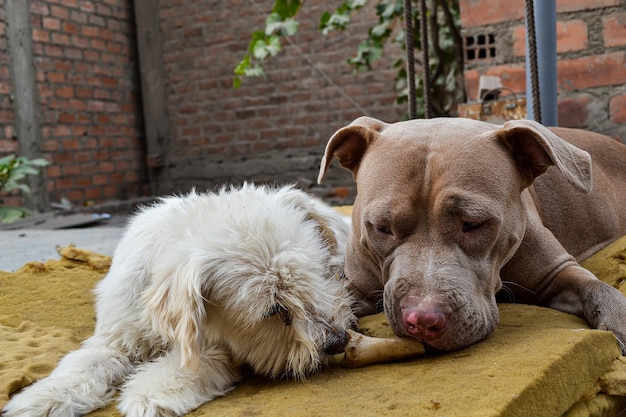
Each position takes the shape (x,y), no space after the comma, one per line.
(363,350)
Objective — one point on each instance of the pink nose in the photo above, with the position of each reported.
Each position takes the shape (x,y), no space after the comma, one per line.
(424,322)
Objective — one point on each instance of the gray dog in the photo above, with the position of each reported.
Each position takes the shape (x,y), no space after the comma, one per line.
(450,209)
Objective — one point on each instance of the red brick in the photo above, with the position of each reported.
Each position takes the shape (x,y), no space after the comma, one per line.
(76,196)
(51,23)
(78,130)
(56,77)
(571,35)
(60,12)
(615,30)
(8,146)
(71,170)
(60,39)
(574,111)
(98,44)
(577,5)
(87,6)
(100,179)
(93,193)
(40,35)
(64,183)
(65,92)
(78,17)
(617,108)
(592,71)
(485,12)
(70,28)
(39,8)
(70,3)
(89,31)
(66,118)
(61,130)
(53,171)
(84,182)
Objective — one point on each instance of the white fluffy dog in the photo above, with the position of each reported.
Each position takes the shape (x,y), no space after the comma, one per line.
(201,285)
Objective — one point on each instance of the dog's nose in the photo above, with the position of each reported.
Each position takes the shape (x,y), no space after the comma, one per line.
(336,342)
(424,321)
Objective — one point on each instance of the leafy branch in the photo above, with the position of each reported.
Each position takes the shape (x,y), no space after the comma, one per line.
(446,48)
(13,170)
(266,43)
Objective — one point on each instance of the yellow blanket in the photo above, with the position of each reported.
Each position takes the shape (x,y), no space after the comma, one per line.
(539,362)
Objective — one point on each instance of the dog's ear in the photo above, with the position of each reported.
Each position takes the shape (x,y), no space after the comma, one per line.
(330,225)
(535,148)
(176,308)
(349,144)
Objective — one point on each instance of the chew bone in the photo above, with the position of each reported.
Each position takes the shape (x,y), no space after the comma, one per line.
(363,350)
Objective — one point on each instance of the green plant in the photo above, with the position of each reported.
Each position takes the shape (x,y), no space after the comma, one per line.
(13,170)
(445,57)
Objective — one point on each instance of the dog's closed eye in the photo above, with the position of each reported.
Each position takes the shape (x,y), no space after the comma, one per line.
(282,312)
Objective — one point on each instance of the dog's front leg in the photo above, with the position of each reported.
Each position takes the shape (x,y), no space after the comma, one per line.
(164,388)
(85,380)
(577,291)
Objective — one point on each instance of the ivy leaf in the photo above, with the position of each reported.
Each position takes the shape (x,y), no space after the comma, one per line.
(380,30)
(11,214)
(287,27)
(286,8)
(254,71)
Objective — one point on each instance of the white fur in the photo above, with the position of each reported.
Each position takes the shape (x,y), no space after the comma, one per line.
(200,285)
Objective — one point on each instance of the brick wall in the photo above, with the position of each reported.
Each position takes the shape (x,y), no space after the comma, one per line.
(6,109)
(591,48)
(88,91)
(273,128)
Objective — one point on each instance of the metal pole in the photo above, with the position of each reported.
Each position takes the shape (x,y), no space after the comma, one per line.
(545,29)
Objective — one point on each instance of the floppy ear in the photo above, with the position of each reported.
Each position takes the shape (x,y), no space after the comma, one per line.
(535,148)
(331,226)
(349,144)
(176,308)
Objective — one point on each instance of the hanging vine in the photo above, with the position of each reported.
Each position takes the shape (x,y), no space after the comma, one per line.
(445,46)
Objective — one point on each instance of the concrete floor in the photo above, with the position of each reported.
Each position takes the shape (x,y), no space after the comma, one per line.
(18,247)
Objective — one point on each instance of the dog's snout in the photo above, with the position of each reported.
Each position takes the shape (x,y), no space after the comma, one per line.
(425,321)
(336,342)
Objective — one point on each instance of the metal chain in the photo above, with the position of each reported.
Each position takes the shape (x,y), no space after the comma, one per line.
(425,60)
(532,56)
(410,57)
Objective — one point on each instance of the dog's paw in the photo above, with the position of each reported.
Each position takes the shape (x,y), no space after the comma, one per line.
(605,309)
(145,410)
(41,403)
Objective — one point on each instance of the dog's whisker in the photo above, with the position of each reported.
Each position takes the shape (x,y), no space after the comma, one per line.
(515,284)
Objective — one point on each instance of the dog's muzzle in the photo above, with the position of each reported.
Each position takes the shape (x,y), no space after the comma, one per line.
(336,341)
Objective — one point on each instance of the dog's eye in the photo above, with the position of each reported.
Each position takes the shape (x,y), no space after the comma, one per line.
(469,226)
(282,312)
(385,230)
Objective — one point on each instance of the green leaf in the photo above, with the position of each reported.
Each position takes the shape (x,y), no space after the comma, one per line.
(6,160)
(259,50)
(290,27)
(11,214)
(380,29)
(286,8)
(273,46)
(357,4)
(275,24)
(240,69)
(256,36)
(39,162)
(24,170)
(254,71)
